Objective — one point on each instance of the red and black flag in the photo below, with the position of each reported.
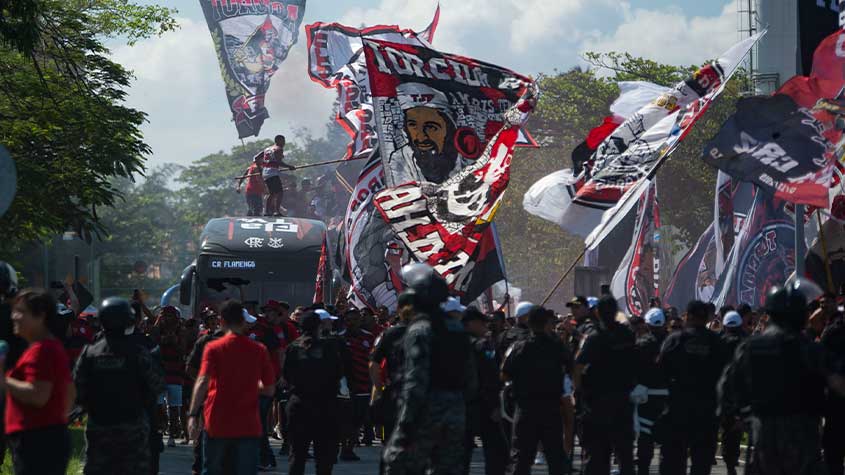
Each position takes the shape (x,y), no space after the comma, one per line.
(252,39)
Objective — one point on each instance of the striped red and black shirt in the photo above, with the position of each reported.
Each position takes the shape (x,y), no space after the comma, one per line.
(358,348)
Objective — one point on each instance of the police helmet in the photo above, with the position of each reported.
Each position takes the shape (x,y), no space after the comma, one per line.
(430,289)
(115,314)
(787,304)
(8,280)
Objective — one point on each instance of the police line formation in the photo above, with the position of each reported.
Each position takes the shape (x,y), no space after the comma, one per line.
(628,381)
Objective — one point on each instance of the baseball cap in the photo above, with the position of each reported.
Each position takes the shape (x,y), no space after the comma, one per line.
(578,300)
(324,315)
(249,318)
(523,308)
(732,320)
(452,305)
(655,317)
(592,302)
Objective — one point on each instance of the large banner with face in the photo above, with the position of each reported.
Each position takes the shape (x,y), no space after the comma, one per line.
(252,39)
(447,126)
(371,255)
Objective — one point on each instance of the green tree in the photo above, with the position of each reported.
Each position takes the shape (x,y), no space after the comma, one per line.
(62,112)
(142,228)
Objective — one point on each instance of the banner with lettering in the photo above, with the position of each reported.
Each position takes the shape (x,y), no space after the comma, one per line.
(252,40)
(447,126)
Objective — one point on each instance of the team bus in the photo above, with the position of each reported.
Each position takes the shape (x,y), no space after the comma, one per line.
(257,259)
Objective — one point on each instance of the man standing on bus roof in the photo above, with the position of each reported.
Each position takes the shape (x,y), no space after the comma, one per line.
(272,160)
(255,188)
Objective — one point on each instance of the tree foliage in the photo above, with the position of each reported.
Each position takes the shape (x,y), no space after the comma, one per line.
(62,112)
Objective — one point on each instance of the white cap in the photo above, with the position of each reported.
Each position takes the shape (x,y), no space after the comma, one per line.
(249,318)
(452,305)
(523,308)
(413,94)
(655,317)
(732,320)
(324,315)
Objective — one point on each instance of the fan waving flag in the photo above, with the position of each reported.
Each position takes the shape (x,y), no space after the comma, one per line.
(447,126)
(252,40)
(623,163)
(778,146)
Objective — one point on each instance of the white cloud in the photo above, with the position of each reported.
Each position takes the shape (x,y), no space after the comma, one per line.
(502,31)
(178,84)
(668,35)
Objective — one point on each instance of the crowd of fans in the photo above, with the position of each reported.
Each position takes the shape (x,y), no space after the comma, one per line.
(334,378)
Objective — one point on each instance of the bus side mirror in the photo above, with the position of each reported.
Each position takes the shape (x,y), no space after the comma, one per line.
(186,284)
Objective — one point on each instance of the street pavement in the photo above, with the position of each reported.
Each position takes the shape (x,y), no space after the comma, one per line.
(177,461)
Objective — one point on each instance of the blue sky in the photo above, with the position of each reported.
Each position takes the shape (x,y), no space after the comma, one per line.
(178,81)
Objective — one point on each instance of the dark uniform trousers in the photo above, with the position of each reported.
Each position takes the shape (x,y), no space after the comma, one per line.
(537,422)
(693,438)
(787,445)
(312,421)
(731,438)
(833,440)
(120,449)
(493,441)
(609,429)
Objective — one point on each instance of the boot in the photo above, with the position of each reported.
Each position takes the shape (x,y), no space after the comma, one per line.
(174,422)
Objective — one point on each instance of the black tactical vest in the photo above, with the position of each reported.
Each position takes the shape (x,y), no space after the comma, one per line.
(116,391)
(316,374)
(450,350)
(786,376)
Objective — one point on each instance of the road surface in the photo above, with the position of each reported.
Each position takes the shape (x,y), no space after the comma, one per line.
(177,461)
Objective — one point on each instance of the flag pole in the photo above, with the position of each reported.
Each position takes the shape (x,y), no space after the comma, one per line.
(650,175)
(299,167)
(800,244)
(564,276)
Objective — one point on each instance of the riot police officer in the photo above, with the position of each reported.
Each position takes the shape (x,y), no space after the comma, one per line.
(537,366)
(312,370)
(520,331)
(604,374)
(833,439)
(692,360)
(115,380)
(388,349)
(651,399)
(483,411)
(439,371)
(778,378)
(732,427)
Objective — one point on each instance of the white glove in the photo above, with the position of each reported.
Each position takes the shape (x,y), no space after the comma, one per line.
(639,395)
(344,389)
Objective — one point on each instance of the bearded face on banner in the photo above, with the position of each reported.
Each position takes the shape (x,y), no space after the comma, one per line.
(429,129)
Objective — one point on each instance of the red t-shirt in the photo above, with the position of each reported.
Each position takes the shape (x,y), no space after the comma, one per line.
(254,184)
(44,360)
(234,364)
